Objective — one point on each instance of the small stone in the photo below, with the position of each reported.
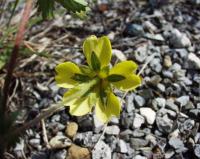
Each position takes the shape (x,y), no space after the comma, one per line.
(71,129)
(170,105)
(98,125)
(155,80)
(177,144)
(134,30)
(19,148)
(197,150)
(151,27)
(139,157)
(183,53)
(183,100)
(112,130)
(161,87)
(114,121)
(151,139)
(194,113)
(155,65)
(148,114)
(164,124)
(169,153)
(55,118)
(188,124)
(77,152)
(159,102)
(35,142)
(126,120)
(196,1)
(156,37)
(138,121)
(167,74)
(61,154)
(40,155)
(86,138)
(137,143)
(167,61)
(130,105)
(119,55)
(139,100)
(101,151)
(178,39)
(194,59)
(138,133)
(58,142)
(122,146)
(141,53)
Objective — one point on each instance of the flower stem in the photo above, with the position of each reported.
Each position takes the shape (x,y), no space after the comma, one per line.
(14,54)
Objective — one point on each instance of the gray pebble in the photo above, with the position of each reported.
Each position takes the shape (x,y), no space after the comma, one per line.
(159,102)
(178,39)
(197,150)
(138,121)
(101,151)
(19,149)
(122,146)
(40,155)
(149,114)
(170,104)
(137,143)
(183,100)
(164,124)
(61,154)
(112,130)
(155,65)
(139,157)
(34,142)
(161,87)
(177,144)
(129,103)
(139,100)
(98,125)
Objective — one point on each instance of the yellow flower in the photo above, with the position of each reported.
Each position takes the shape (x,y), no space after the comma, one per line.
(93,84)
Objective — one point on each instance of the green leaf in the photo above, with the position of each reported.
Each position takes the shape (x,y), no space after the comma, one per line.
(46,7)
(96,65)
(73,5)
(81,78)
(115,78)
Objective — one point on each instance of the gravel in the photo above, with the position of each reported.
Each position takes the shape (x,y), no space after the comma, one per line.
(159,117)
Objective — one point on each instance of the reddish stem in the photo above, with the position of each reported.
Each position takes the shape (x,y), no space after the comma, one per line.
(12,62)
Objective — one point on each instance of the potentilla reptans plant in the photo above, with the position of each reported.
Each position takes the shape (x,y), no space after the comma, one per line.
(93,85)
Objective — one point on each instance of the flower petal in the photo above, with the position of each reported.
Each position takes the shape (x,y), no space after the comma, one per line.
(124,68)
(79,107)
(100,46)
(129,83)
(65,72)
(112,107)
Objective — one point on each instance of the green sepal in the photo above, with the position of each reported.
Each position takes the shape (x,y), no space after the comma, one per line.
(115,78)
(95,62)
(103,96)
(80,77)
